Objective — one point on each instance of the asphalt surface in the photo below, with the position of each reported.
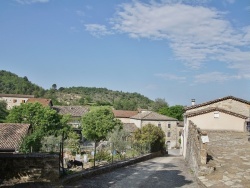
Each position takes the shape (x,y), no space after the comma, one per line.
(167,171)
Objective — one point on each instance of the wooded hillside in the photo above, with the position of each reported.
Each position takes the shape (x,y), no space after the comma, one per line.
(11,83)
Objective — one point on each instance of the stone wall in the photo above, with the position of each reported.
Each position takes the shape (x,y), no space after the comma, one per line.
(196,153)
(107,168)
(22,168)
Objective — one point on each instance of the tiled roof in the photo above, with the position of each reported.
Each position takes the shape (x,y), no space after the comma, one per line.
(130,127)
(75,111)
(152,116)
(16,95)
(217,100)
(180,124)
(11,135)
(124,113)
(212,109)
(42,101)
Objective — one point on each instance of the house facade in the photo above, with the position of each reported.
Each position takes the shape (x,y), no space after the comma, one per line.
(167,124)
(14,99)
(224,114)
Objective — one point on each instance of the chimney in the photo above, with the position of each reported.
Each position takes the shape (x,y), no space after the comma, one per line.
(193,102)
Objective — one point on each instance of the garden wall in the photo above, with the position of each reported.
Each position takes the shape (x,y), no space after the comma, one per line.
(21,168)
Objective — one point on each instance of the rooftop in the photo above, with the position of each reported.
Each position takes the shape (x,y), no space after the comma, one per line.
(42,101)
(75,111)
(152,116)
(11,135)
(16,95)
(124,113)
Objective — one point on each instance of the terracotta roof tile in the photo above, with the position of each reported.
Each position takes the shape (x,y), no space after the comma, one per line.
(11,135)
(217,100)
(124,113)
(42,101)
(152,116)
(75,111)
(212,109)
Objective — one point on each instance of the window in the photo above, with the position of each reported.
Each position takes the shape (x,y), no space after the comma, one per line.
(169,134)
(216,115)
(23,101)
(169,125)
(159,125)
(14,100)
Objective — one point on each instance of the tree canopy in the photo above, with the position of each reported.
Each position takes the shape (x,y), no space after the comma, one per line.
(3,111)
(44,121)
(98,123)
(153,135)
(176,111)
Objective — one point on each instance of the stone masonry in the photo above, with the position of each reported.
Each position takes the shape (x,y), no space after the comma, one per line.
(230,154)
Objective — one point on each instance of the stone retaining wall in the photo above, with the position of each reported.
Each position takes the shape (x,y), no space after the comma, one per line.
(21,168)
(196,155)
(107,168)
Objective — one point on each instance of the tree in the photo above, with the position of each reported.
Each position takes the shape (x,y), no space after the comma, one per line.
(54,87)
(176,111)
(97,124)
(3,111)
(44,121)
(118,138)
(153,135)
(159,103)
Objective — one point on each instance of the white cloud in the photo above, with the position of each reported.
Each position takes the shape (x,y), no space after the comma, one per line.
(196,34)
(97,30)
(32,1)
(80,13)
(171,77)
(214,77)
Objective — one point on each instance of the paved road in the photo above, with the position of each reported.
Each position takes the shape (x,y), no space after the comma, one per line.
(168,171)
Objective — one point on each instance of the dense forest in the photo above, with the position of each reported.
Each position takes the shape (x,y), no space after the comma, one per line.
(11,83)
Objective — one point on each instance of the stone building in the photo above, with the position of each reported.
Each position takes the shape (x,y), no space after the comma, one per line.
(14,99)
(224,114)
(167,124)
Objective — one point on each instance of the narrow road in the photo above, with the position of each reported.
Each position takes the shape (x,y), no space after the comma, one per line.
(168,171)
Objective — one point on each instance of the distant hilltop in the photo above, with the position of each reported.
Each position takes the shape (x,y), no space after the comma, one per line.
(11,83)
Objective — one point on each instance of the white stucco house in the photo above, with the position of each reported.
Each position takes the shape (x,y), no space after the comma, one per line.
(224,114)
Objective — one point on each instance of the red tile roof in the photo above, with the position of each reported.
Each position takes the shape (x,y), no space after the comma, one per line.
(217,100)
(11,135)
(124,113)
(42,101)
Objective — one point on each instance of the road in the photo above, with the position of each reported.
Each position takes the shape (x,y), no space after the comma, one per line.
(168,171)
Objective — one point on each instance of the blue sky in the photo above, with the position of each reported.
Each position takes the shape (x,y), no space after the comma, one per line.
(171,49)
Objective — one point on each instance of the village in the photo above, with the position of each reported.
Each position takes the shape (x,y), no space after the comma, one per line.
(213,140)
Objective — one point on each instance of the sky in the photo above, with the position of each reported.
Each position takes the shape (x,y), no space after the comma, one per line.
(175,50)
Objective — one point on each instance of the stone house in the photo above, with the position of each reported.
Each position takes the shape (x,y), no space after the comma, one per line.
(75,112)
(167,124)
(227,114)
(11,135)
(14,99)
(124,115)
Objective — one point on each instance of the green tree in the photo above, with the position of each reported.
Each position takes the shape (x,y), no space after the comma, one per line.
(118,139)
(3,111)
(159,103)
(44,121)
(97,124)
(153,135)
(176,111)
